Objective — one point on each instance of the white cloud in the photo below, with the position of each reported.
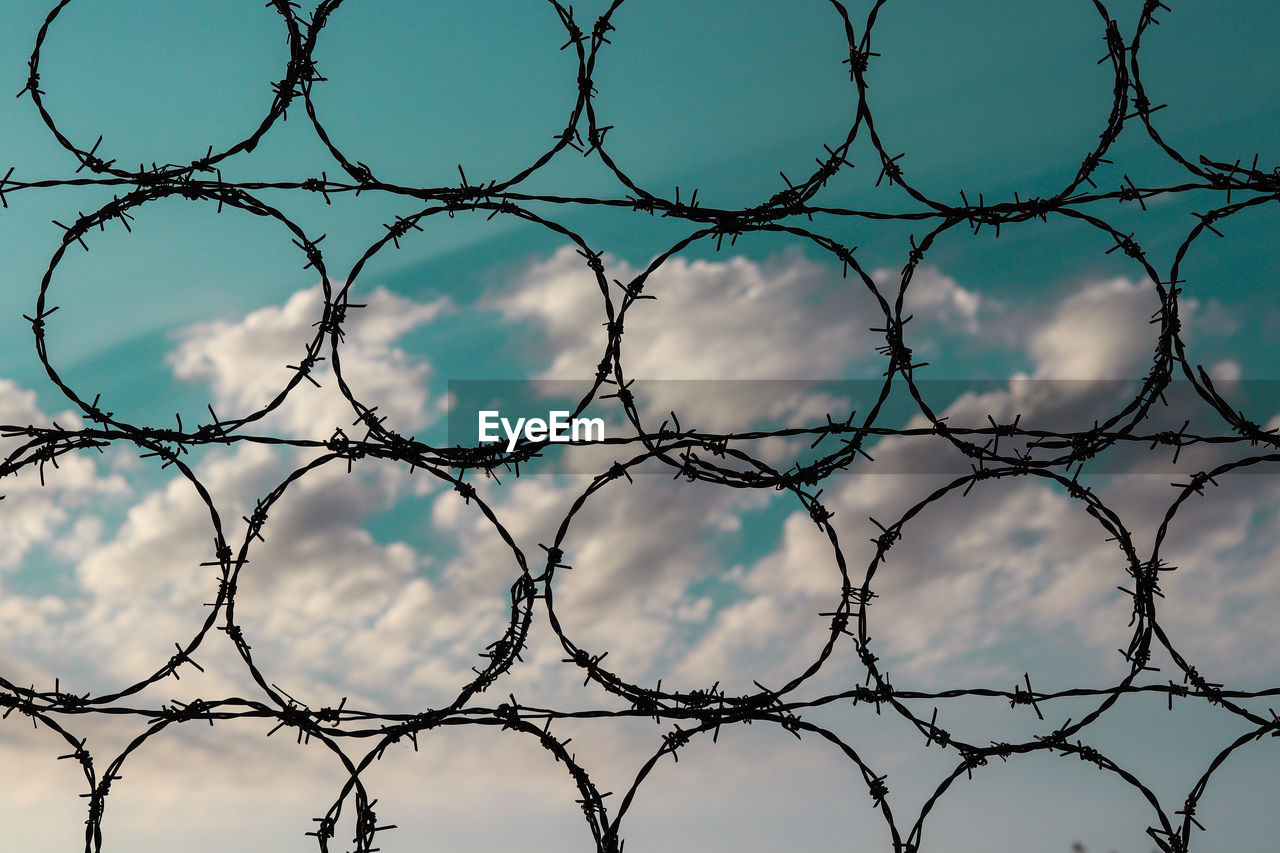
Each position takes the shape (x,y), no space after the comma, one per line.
(1027,563)
(788,319)
(139,588)
(647,546)
(933,295)
(36,513)
(1099,332)
(980,587)
(244,363)
(1225,371)
(732,319)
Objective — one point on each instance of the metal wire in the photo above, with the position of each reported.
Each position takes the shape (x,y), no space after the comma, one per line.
(719,459)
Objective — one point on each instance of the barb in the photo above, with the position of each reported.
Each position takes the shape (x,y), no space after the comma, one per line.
(1003,450)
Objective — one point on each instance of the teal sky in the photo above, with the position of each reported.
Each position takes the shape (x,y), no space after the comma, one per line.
(990,97)
(692,101)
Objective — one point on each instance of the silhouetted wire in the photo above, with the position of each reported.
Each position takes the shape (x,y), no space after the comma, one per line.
(714,459)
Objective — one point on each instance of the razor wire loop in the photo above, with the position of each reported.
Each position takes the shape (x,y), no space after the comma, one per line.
(642,698)
(121,208)
(79,704)
(298,72)
(1080,445)
(363,174)
(1052,456)
(1220,174)
(401,229)
(680,738)
(501,653)
(788,201)
(893,173)
(1199,378)
(757,475)
(1142,620)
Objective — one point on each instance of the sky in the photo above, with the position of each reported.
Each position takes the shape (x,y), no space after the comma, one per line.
(382,585)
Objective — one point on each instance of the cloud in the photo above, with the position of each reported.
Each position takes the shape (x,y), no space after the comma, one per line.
(1016,574)
(244,362)
(40,499)
(638,550)
(643,553)
(984,583)
(1101,331)
(732,319)
(934,296)
(716,328)
(138,585)
(681,581)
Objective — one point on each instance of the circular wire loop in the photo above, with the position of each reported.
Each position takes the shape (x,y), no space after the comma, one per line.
(363,174)
(223,195)
(717,460)
(298,73)
(786,202)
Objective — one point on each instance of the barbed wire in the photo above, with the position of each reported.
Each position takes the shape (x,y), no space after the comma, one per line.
(712,458)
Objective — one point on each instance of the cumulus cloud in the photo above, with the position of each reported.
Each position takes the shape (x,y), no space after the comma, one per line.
(733,319)
(675,580)
(644,553)
(321,594)
(715,328)
(934,295)
(1094,333)
(36,513)
(244,362)
(335,590)
(981,585)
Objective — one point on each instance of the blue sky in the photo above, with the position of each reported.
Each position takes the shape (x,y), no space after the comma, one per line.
(380,584)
